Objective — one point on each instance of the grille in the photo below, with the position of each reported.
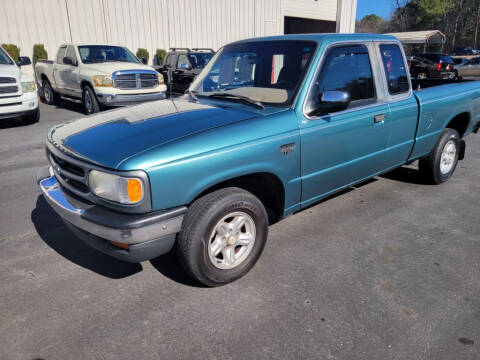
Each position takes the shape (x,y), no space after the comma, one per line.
(8,89)
(136,80)
(70,175)
(7,80)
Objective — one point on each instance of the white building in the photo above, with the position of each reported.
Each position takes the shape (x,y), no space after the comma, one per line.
(162,24)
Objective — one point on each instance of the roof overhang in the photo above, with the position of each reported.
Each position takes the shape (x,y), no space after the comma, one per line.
(420,37)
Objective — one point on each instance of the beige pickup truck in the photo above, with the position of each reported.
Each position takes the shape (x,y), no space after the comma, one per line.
(98,75)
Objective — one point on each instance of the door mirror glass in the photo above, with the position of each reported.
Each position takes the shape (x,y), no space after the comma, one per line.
(23,60)
(67,60)
(333,101)
(144,61)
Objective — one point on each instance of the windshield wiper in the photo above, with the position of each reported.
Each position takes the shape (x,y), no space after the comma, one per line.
(192,94)
(241,97)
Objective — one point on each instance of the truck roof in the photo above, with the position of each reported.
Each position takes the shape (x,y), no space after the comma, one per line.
(330,37)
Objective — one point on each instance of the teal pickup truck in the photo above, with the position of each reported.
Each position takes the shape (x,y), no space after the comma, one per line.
(270,126)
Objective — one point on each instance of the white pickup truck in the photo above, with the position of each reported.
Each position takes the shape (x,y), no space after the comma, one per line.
(18,93)
(98,75)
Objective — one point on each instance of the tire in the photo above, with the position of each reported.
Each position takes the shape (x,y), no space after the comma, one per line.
(89,100)
(32,118)
(438,166)
(49,95)
(209,228)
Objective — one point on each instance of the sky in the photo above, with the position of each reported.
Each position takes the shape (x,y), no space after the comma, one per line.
(382,8)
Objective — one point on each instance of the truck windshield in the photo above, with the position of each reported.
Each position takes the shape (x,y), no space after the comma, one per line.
(105,53)
(268,72)
(199,60)
(4,59)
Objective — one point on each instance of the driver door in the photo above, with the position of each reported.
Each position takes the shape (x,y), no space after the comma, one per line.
(343,147)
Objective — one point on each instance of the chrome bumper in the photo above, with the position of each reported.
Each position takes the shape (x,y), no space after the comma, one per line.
(110,225)
(123,99)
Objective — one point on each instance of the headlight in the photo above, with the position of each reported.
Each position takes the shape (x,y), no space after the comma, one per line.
(28,86)
(160,79)
(124,190)
(102,81)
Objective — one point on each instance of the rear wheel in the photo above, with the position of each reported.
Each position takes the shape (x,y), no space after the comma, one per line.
(223,235)
(442,161)
(422,75)
(90,103)
(50,96)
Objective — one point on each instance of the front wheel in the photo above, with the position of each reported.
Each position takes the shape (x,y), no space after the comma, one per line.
(223,235)
(89,100)
(438,166)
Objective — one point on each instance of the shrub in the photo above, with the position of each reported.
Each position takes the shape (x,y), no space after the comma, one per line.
(12,50)
(142,53)
(39,52)
(160,56)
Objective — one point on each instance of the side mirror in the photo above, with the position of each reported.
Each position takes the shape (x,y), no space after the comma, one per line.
(67,60)
(23,60)
(333,101)
(144,60)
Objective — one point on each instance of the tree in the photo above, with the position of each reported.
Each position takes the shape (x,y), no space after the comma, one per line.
(370,24)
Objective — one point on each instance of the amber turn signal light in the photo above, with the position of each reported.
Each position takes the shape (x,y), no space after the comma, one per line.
(134,189)
(120,245)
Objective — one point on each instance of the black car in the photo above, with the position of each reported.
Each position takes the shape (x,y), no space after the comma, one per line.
(432,65)
(181,65)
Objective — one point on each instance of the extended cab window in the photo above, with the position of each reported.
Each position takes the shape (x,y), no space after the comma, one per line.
(346,68)
(394,68)
(61,54)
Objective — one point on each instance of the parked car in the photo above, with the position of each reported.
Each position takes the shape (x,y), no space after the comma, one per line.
(209,171)
(470,67)
(432,65)
(463,50)
(182,65)
(459,61)
(18,93)
(98,75)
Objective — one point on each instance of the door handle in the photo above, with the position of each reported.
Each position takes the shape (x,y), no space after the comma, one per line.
(380,118)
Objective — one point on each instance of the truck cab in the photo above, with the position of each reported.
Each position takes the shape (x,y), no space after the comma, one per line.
(18,92)
(182,65)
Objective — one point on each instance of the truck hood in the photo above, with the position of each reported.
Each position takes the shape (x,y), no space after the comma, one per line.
(109,138)
(112,66)
(10,71)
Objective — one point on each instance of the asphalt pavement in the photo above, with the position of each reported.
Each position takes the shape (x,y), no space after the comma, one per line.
(386,270)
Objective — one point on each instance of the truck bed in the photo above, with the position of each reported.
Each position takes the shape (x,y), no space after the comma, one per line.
(441,101)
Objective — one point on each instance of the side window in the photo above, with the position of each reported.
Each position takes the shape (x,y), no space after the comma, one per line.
(394,68)
(61,54)
(183,62)
(345,68)
(71,54)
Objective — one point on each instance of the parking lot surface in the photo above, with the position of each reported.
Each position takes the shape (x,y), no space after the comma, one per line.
(386,270)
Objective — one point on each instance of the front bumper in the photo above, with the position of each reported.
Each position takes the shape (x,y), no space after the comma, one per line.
(147,235)
(129,99)
(18,105)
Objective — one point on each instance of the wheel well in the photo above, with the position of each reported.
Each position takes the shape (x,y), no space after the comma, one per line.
(460,123)
(84,83)
(268,188)
(44,77)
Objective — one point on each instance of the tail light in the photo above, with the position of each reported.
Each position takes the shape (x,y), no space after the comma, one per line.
(439,65)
